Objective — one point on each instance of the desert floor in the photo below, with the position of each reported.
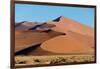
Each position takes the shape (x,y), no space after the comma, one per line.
(56,59)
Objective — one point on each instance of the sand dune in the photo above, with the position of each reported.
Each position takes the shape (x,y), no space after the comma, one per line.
(88,41)
(31,25)
(65,24)
(25,39)
(66,44)
(78,39)
(24,25)
(59,36)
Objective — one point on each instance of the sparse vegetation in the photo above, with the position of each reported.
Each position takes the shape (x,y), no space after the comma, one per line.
(58,59)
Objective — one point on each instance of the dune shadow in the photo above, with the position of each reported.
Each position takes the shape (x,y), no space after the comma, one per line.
(27,50)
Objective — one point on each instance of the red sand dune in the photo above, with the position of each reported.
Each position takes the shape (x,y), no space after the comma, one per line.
(25,39)
(79,38)
(65,24)
(25,25)
(66,44)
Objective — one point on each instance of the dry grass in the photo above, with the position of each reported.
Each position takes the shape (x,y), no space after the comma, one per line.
(57,59)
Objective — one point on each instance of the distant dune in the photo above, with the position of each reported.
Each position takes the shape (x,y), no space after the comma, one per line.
(65,24)
(59,36)
(24,25)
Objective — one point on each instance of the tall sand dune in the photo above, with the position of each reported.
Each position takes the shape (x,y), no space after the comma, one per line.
(59,36)
(65,24)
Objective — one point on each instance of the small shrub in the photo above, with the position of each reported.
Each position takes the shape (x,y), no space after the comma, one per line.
(36,60)
(20,62)
(58,60)
(73,57)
